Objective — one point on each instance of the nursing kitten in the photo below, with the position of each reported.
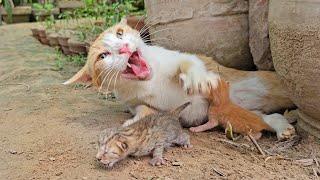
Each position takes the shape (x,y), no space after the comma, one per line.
(150,135)
(144,76)
(222,111)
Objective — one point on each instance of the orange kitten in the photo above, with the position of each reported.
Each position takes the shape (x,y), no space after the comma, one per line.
(223,111)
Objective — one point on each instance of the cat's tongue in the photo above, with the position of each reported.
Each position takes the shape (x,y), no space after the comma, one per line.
(138,66)
(140,69)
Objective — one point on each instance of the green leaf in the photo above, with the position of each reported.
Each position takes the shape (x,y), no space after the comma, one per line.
(9,9)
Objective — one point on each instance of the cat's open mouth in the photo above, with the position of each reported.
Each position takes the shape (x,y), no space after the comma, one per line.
(137,68)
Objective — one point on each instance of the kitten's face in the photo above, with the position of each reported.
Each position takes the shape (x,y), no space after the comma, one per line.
(123,53)
(112,148)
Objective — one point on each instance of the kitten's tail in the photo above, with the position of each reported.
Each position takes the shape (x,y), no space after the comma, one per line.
(178,110)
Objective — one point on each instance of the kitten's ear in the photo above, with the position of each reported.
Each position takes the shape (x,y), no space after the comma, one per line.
(178,110)
(124,21)
(81,76)
(121,143)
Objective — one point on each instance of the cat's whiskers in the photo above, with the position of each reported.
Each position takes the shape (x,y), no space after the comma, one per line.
(109,72)
(157,40)
(135,27)
(115,81)
(103,71)
(146,27)
(155,32)
(114,73)
(105,78)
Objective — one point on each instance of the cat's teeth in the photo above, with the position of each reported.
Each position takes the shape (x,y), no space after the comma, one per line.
(129,65)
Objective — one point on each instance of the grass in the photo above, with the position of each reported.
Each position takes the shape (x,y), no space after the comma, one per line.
(61,60)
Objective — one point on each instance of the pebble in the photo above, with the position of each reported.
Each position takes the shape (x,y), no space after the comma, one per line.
(52,158)
(59,173)
(176,163)
(13,152)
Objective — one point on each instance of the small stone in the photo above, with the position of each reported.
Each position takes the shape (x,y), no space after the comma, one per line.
(13,152)
(176,163)
(52,158)
(84,178)
(59,173)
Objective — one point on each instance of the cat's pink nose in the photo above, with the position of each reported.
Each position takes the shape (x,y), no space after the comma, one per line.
(125,50)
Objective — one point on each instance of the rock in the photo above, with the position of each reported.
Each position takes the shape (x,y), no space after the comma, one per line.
(295,46)
(59,173)
(259,34)
(13,152)
(52,158)
(215,28)
(176,163)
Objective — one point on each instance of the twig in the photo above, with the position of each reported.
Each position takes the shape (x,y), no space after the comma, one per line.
(283,146)
(88,85)
(218,172)
(256,145)
(132,175)
(232,143)
(315,172)
(314,157)
(23,84)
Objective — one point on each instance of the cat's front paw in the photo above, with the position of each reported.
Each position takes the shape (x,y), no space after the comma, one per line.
(157,161)
(198,82)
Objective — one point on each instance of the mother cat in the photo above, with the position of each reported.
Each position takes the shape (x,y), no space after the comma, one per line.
(150,78)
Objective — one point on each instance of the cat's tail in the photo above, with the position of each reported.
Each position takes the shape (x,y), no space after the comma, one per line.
(178,110)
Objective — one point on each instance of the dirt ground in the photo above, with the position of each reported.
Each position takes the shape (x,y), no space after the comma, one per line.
(49,131)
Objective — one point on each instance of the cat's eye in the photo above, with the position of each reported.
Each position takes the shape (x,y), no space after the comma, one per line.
(103,55)
(119,33)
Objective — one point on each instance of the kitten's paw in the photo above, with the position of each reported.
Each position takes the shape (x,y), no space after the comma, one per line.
(198,82)
(286,133)
(128,122)
(157,161)
(187,146)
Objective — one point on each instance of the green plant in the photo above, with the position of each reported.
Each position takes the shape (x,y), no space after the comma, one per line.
(61,60)
(8,6)
(44,9)
(78,60)
(50,22)
(59,63)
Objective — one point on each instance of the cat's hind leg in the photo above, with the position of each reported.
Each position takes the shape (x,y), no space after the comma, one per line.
(280,125)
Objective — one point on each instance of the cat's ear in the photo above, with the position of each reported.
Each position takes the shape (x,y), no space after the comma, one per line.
(124,21)
(82,76)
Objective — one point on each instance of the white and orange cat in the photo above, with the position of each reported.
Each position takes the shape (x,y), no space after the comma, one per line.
(149,78)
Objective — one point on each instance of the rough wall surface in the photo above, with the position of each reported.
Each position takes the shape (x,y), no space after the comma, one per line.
(259,34)
(217,28)
(295,47)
